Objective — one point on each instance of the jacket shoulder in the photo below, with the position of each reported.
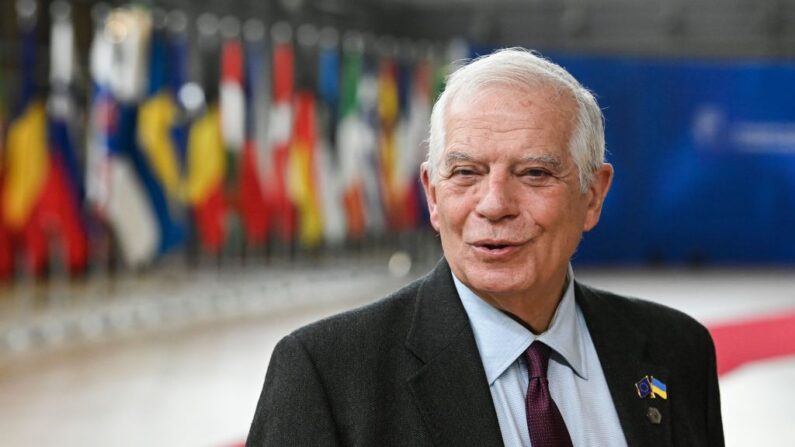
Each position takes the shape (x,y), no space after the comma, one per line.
(656,320)
(380,320)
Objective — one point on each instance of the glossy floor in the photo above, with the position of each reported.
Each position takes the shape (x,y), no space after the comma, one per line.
(197,384)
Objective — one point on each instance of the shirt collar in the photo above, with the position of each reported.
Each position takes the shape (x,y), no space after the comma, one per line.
(501,339)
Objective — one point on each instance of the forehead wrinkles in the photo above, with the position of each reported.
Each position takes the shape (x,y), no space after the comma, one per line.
(543,95)
(467,129)
(500,109)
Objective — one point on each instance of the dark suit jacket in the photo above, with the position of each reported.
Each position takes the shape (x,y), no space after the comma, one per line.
(405,371)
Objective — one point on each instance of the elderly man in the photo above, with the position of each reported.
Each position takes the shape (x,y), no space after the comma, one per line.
(499,344)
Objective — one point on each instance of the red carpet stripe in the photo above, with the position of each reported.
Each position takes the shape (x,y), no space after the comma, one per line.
(738,343)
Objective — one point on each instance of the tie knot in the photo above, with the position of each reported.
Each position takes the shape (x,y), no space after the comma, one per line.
(537,359)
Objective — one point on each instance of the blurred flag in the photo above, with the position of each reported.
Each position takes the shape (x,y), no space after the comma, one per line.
(206,161)
(6,244)
(157,117)
(302,179)
(111,182)
(130,55)
(63,194)
(244,191)
(259,62)
(327,156)
(184,97)
(40,200)
(352,141)
(26,156)
(26,171)
(302,157)
(280,129)
(253,207)
(232,107)
(129,30)
(369,165)
(413,130)
(206,166)
(388,113)
(231,97)
(122,185)
(405,216)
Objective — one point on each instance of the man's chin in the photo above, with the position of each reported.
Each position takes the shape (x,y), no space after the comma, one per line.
(498,285)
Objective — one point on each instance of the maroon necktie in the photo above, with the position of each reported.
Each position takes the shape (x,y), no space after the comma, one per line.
(544,421)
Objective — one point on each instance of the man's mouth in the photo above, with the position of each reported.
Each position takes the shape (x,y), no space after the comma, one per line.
(496,246)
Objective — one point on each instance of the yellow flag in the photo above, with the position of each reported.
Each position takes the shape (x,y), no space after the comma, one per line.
(302,184)
(301,189)
(206,157)
(155,119)
(28,162)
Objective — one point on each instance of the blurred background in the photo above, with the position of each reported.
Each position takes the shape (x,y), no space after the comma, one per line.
(182,183)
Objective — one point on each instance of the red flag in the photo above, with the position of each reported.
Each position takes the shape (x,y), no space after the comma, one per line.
(6,246)
(209,219)
(253,209)
(57,215)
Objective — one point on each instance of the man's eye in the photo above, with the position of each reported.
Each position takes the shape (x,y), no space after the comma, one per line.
(535,173)
(466,172)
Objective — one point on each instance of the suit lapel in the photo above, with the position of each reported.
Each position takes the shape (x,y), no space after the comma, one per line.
(623,354)
(450,388)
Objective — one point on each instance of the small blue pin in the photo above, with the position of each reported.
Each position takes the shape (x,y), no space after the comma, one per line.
(643,386)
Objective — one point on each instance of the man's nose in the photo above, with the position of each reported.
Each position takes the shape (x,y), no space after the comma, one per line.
(498,200)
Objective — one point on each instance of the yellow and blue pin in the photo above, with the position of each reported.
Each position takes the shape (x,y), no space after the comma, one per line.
(648,386)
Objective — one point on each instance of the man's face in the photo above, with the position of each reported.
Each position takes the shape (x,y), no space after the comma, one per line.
(508,204)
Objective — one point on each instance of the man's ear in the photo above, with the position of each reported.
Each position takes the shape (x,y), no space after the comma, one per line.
(597,191)
(430,195)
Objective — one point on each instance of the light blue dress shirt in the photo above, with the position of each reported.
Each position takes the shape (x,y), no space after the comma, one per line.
(576,380)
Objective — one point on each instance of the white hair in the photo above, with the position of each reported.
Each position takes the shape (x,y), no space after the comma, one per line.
(518,67)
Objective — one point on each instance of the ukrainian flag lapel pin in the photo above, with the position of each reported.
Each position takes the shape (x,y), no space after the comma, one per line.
(648,386)
(658,388)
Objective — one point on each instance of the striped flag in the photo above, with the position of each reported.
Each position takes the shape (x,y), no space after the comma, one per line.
(302,158)
(232,97)
(232,107)
(26,158)
(280,129)
(205,171)
(413,130)
(63,194)
(157,118)
(388,113)
(352,142)
(40,200)
(327,168)
(259,63)
(206,160)
(111,181)
(302,178)
(254,210)
(126,189)
(370,165)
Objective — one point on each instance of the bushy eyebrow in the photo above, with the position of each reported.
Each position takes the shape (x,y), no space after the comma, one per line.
(548,160)
(454,156)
